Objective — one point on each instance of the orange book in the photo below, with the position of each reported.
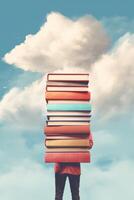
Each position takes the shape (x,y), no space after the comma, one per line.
(67,95)
(59,130)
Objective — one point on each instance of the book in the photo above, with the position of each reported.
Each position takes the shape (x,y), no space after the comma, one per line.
(67,89)
(67,143)
(67,127)
(67,95)
(68,77)
(71,107)
(50,123)
(68,113)
(67,137)
(67,101)
(61,130)
(81,157)
(68,149)
(67,84)
(82,119)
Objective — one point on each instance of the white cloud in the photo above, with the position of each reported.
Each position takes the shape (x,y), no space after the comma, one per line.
(60,42)
(17,146)
(114,183)
(105,146)
(24,107)
(31,180)
(27,181)
(112,79)
(112,145)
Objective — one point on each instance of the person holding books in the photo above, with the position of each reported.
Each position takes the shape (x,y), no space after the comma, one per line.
(73,172)
(68,137)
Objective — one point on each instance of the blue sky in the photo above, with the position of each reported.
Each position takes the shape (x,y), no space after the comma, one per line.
(107,54)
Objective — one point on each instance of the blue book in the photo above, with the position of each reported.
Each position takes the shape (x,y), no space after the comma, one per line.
(69,107)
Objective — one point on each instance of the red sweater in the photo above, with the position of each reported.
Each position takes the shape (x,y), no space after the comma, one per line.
(71,168)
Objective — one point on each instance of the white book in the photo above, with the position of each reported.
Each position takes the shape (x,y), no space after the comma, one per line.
(67,77)
(68,113)
(67,89)
(68,101)
(83,119)
(64,123)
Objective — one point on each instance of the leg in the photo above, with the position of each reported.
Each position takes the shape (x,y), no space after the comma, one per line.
(74,181)
(60,180)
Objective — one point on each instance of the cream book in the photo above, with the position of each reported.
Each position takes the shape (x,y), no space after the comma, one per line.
(67,101)
(67,89)
(67,77)
(50,123)
(82,119)
(68,113)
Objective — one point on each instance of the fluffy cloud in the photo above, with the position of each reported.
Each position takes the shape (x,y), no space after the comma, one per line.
(114,183)
(112,79)
(24,107)
(59,43)
(31,181)
(111,146)
(27,181)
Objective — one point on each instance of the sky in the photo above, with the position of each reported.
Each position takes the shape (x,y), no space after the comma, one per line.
(38,37)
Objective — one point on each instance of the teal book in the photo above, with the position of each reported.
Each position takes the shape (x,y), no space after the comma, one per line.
(69,107)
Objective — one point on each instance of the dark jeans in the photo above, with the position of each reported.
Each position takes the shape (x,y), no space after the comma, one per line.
(60,180)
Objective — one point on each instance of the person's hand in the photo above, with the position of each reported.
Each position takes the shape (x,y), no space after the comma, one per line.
(57,167)
(90,144)
(90,141)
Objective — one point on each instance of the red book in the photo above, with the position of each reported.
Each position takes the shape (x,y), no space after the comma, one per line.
(67,95)
(61,130)
(81,157)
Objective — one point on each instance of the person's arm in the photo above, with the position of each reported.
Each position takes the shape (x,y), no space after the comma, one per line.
(91,140)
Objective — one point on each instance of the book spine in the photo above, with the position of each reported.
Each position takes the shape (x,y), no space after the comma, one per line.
(67,107)
(83,157)
(67,95)
(80,129)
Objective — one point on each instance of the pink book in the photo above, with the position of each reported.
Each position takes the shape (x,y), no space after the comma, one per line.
(81,157)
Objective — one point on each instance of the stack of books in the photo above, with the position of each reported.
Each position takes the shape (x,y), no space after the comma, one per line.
(67,128)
